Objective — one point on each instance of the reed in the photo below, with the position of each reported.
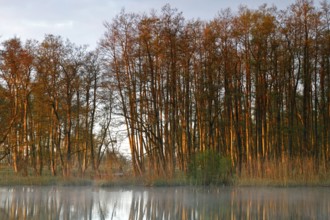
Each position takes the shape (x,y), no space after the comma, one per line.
(287,172)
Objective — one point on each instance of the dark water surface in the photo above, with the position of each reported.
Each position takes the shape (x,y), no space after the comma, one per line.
(164,203)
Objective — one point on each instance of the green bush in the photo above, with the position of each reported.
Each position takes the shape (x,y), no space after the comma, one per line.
(209,167)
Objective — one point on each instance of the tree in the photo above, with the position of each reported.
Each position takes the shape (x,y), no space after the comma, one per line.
(16,74)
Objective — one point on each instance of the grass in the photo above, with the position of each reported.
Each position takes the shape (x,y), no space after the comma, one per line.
(16,180)
(283,183)
(287,173)
(294,172)
(146,180)
(9,178)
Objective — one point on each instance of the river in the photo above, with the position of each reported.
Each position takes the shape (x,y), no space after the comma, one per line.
(164,203)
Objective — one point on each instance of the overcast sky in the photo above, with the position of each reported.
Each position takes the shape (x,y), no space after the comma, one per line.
(81,21)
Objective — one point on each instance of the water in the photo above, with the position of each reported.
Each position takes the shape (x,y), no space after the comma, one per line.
(164,203)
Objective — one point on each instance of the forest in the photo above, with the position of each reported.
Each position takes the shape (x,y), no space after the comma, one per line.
(248,91)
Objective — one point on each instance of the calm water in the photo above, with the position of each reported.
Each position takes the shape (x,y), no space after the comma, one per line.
(164,203)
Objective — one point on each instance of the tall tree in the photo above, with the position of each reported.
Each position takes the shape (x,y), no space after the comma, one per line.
(16,73)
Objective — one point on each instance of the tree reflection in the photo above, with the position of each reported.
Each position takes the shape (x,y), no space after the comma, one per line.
(50,203)
(235,203)
(164,203)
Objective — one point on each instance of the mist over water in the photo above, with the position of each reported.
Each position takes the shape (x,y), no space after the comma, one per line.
(164,203)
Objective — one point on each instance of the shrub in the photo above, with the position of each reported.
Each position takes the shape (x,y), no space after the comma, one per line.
(209,167)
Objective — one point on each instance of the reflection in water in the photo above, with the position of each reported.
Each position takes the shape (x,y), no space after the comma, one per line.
(164,203)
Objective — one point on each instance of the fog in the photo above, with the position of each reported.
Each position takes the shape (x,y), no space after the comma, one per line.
(164,203)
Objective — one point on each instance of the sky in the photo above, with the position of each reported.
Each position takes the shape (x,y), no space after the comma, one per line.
(81,21)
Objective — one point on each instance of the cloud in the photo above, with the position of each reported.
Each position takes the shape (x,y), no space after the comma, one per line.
(81,21)
(47,24)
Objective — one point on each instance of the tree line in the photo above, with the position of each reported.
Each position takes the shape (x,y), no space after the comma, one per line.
(51,98)
(252,86)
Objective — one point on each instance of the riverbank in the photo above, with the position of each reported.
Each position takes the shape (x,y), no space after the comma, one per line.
(11,179)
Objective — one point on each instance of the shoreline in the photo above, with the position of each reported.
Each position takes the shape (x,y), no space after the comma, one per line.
(7,181)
